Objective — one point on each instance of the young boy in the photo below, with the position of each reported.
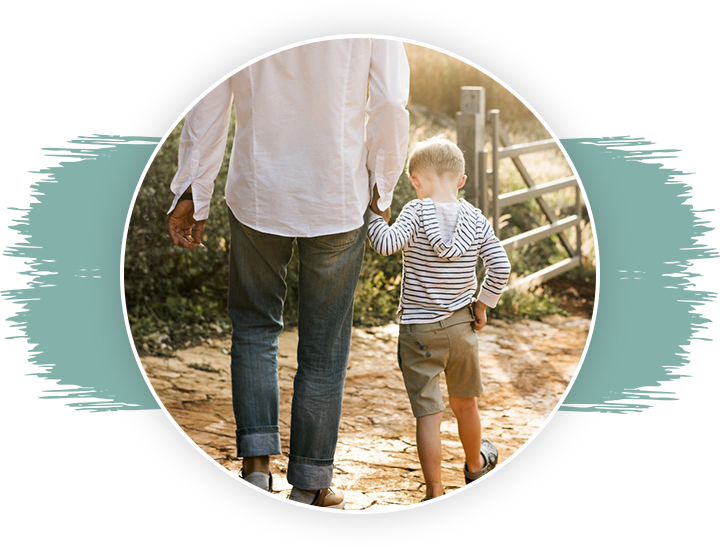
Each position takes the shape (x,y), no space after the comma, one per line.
(441,238)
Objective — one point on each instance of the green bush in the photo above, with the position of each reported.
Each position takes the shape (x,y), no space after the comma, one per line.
(526,305)
(169,290)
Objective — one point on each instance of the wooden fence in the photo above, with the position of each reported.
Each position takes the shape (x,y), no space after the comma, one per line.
(471,125)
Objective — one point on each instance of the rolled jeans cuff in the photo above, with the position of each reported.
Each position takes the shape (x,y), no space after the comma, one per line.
(309,474)
(258,442)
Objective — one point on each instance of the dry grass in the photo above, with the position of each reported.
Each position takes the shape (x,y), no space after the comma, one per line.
(436,79)
(435,85)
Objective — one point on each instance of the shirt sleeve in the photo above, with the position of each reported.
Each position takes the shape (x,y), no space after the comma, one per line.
(496,264)
(387,240)
(202,148)
(388,122)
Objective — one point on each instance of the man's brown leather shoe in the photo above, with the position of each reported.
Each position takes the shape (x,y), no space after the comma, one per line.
(327,498)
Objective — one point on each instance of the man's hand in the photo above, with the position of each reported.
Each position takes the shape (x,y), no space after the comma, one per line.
(480,315)
(374,205)
(180,225)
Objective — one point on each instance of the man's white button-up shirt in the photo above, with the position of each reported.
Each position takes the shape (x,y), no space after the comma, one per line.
(316,127)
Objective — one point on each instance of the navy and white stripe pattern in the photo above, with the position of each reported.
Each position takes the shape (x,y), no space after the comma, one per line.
(438,277)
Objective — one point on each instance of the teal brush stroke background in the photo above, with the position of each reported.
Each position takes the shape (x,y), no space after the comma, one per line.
(646,237)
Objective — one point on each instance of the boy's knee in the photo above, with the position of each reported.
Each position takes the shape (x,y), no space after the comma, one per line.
(460,405)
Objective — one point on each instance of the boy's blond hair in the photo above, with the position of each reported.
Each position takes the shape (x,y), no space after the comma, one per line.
(437,154)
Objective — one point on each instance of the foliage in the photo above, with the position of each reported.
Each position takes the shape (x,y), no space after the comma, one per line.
(436,79)
(173,294)
(526,305)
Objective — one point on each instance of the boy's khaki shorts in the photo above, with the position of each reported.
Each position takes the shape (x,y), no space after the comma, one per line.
(426,350)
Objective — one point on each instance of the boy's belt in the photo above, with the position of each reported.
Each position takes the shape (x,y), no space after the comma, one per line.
(462,315)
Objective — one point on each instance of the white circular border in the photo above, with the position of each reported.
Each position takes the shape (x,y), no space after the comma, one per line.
(459,58)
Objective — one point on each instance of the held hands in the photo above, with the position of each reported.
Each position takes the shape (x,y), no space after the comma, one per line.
(480,315)
(180,226)
(374,205)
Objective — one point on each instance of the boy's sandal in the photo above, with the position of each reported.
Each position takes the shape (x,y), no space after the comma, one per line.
(490,453)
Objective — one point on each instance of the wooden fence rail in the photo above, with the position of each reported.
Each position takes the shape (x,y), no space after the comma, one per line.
(471,140)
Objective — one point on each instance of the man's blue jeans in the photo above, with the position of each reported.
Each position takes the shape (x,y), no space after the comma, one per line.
(329,272)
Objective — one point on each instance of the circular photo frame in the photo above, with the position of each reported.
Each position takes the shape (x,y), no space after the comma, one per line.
(267,320)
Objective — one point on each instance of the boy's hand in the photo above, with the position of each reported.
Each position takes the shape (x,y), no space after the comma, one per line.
(373,205)
(480,315)
(180,225)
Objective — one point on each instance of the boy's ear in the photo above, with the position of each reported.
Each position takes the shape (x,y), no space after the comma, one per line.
(461,182)
(414,182)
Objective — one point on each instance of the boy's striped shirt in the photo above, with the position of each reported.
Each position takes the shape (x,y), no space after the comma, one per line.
(439,278)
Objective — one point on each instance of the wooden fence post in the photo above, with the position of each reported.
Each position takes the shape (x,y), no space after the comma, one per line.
(502,148)
(494,116)
(471,139)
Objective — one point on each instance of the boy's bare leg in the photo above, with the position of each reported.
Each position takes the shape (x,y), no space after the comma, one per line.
(469,430)
(429,446)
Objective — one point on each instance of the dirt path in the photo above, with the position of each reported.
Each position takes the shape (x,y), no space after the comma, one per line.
(526,368)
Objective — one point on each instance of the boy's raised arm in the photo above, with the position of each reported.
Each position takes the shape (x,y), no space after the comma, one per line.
(387,240)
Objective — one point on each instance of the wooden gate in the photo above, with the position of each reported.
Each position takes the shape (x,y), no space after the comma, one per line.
(471,122)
